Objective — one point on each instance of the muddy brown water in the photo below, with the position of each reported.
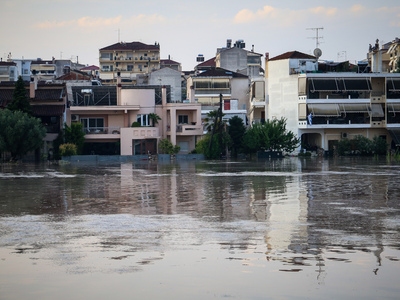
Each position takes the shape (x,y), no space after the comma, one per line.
(284,229)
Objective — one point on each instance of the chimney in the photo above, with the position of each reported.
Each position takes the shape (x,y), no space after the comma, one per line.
(266,64)
(119,88)
(33,87)
(191,94)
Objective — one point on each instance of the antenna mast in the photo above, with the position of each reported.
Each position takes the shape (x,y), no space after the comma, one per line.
(317,37)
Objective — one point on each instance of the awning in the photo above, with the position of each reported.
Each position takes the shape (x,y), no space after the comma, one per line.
(355,108)
(393,84)
(393,107)
(324,110)
(339,84)
(377,110)
(323,84)
(357,84)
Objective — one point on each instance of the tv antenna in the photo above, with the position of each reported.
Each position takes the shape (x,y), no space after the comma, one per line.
(317,37)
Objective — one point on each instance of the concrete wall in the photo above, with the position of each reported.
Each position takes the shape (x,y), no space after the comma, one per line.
(168,76)
(283,94)
(239,91)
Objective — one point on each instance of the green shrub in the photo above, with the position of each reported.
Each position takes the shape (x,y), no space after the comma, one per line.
(167,147)
(67,149)
(136,124)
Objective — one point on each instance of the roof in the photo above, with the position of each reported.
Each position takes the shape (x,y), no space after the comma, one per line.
(219,72)
(293,55)
(131,46)
(47,110)
(75,75)
(89,68)
(208,63)
(168,62)
(7,63)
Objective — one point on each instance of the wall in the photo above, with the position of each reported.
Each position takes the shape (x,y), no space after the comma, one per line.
(168,76)
(239,91)
(144,98)
(283,94)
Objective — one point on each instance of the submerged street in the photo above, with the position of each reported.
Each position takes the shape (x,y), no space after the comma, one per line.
(283,229)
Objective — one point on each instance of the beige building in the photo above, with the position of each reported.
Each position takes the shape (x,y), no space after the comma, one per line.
(129,60)
(120,115)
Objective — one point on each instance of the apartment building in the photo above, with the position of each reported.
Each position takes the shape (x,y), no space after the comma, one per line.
(385,58)
(207,87)
(235,58)
(8,71)
(48,103)
(323,108)
(120,116)
(128,60)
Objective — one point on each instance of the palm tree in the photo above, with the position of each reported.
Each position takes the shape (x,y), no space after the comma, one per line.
(154,118)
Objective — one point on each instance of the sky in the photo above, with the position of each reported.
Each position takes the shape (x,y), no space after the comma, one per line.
(79,28)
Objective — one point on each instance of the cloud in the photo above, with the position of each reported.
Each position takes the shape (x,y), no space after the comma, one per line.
(247,16)
(357,8)
(90,22)
(320,10)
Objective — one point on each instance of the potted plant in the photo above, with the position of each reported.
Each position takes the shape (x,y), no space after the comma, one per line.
(154,119)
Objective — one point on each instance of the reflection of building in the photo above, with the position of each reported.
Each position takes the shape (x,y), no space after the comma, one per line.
(323,108)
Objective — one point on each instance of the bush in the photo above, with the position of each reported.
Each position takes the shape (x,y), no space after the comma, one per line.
(167,147)
(136,124)
(67,149)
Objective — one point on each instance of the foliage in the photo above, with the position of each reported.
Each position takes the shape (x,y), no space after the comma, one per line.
(20,133)
(272,135)
(75,135)
(236,131)
(361,145)
(167,147)
(68,149)
(20,101)
(397,70)
(154,119)
(56,144)
(215,149)
(343,147)
(136,124)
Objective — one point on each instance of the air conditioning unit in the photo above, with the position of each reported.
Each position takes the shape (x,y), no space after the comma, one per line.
(344,135)
(74,118)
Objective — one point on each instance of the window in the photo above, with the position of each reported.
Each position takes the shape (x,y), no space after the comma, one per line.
(92,124)
(143,120)
(130,68)
(183,119)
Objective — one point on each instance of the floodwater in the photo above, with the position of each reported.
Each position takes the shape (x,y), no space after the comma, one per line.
(284,229)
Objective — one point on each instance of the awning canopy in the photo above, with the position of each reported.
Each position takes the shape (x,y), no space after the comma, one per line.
(355,108)
(324,110)
(393,84)
(339,84)
(393,107)
(377,110)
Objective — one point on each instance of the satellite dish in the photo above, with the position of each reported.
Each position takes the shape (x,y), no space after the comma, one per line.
(317,52)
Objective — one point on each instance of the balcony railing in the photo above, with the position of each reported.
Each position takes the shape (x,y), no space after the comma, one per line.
(102,130)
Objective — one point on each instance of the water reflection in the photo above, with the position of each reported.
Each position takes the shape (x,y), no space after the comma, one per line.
(306,223)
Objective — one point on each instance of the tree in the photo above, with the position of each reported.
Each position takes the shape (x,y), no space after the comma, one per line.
(75,135)
(154,119)
(20,101)
(272,135)
(20,133)
(236,131)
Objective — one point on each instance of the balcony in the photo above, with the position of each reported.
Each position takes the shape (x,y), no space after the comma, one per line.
(187,130)
(96,133)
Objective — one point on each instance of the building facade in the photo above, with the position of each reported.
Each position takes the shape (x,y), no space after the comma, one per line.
(324,108)
(128,60)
